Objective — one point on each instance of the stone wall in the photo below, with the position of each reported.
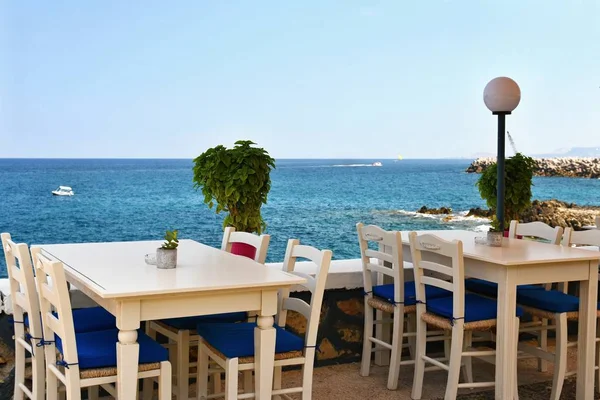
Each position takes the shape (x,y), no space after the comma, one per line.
(579,167)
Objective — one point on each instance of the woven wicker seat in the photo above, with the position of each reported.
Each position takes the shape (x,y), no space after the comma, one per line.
(250,360)
(386,306)
(446,324)
(111,371)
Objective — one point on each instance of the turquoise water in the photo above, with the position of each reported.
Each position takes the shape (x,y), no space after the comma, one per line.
(316,201)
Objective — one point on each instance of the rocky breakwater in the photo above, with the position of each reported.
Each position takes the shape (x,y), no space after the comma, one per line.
(575,167)
(560,213)
(551,212)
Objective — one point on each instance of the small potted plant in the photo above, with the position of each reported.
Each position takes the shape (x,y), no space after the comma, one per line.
(166,255)
(236,180)
(495,234)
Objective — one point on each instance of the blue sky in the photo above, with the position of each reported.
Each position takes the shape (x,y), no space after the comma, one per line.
(305,79)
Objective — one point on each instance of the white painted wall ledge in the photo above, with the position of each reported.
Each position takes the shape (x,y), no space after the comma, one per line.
(343,274)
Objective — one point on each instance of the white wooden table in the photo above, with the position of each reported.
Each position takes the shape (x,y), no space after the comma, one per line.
(206,281)
(528,262)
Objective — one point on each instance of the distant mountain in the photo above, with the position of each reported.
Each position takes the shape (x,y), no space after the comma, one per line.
(572,152)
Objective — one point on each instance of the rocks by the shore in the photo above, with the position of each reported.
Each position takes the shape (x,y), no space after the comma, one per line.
(435,211)
(560,213)
(575,167)
(480,213)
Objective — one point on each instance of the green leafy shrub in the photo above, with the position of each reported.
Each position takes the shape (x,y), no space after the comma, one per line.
(171,241)
(238,181)
(518,180)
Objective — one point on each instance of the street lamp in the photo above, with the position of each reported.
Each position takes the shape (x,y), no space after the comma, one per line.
(501,95)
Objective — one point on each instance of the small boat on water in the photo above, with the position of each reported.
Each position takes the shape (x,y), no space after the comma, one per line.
(377,164)
(63,191)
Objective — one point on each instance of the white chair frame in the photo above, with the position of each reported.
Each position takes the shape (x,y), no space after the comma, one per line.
(543,231)
(312,313)
(55,296)
(181,340)
(386,262)
(25,302)
(441,251)
(559,357)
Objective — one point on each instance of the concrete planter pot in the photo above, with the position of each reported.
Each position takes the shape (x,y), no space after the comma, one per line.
(166,258)
(494,239)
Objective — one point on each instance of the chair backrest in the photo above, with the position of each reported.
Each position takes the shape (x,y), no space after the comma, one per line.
(582,238)
(387,257)
(260,243)
(445,260)
(537,230)
(316,285)
(57,315)
(22,287)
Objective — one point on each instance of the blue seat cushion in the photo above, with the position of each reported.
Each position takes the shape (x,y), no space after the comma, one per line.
(237,340)
(548,300)
(98,349)
(386,292)
(93,319)
(190,323)
(490,289)
(477,308)
(89,319)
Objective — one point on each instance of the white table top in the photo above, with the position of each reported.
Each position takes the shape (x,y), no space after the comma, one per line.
(513,251)
(118,269)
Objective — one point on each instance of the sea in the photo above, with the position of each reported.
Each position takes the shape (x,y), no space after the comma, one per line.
(316,201)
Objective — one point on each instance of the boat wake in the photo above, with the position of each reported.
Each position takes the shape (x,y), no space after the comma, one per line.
(352,165)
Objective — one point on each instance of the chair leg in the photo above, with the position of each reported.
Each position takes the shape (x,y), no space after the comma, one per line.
(447,345)
(382,332)
(543,344)
(455,360)
(307,374)
(365,365)
(38,369)
(148,389)
(19,370)
(202,373)
(411,325)
(277,371)
(598,357)
(51,386)
(165,389)
(397,340)
(517,322)
(183,365)
(231,379)
(420,348)
(468,368)
(560,356)
(93,393)
(217,383)
(249,380)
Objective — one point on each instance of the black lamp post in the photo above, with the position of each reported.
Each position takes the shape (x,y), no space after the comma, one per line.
(501,95)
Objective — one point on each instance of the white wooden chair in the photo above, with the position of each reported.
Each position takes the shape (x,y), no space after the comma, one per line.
(461,313)
(231,346)
(28,331)
(538,231)
(559,306)
(396,298)
(181,332)
(87,359)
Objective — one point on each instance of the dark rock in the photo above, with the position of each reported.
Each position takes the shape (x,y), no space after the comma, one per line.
(434,211)
(480,212)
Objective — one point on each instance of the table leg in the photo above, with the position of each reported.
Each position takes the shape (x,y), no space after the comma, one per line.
(505,339)
(127,364)
(587,335)
(264,350)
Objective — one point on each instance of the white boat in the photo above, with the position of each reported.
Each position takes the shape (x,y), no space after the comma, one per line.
(377,164)
(63,191)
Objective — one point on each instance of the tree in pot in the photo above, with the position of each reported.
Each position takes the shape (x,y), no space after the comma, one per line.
(237,180)
(518,180)
(166,255)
